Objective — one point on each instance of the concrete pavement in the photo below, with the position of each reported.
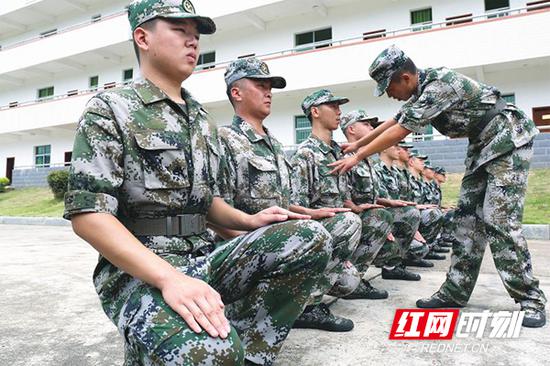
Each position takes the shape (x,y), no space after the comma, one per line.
(51,314)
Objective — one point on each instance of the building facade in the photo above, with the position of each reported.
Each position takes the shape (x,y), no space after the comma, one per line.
(55,54)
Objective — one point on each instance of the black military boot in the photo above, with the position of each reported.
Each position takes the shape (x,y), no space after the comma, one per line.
(399,273)
(366,291)
(533,318)
(437,301)
(434,256)
(320,317)
(418,263)
(444,244)
(437,248)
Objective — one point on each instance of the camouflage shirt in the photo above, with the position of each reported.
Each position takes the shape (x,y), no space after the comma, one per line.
(416,192)
(137,154)
(403,177)
(256,172)
(364,182)
(312,184)
(389,181)
(428,192)
(455,104)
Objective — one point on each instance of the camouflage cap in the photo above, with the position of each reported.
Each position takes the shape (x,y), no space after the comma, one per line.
(383,67)
(323,96)
(358,115)
(405,145)
(140,11)
(428,165)
(415,154)
(440,170)
(251,68)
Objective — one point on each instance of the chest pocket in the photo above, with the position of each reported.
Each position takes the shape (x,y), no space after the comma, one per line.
(329,182)
(363,180)
(262,178)
(163,159)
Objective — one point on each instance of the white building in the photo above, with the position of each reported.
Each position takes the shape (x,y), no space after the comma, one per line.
(55,54)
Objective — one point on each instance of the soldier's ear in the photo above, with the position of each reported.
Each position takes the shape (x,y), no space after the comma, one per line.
(236,93)
(314,112)
(141,38)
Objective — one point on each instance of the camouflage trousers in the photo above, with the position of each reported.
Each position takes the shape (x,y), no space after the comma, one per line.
(265,278)
(431,222)
(405,224)
(490,211)
(374,248)
(447,229)
(345,230)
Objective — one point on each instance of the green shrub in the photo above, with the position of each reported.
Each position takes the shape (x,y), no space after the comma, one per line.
(57,180)
(3,183)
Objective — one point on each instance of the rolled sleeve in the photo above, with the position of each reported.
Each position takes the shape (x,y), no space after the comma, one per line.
(97,169)
(436,98)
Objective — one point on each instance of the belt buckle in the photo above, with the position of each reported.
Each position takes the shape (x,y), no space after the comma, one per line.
(190,224)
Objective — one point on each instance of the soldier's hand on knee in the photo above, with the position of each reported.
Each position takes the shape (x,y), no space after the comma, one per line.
(324,212)
(419,237)
(391,237)
(370,206)
(272,215)
(197,303)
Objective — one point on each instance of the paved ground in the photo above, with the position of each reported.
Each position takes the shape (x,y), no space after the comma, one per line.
(51,315)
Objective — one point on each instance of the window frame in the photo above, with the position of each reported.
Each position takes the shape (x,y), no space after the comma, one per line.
(312,46)
(421,26)
(46,88)
(46,156)
(297,119)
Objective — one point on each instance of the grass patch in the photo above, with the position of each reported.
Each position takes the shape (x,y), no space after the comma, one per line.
(34,202)
(537,202)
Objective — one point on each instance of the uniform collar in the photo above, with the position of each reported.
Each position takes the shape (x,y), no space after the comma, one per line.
(247,129)
(324,147)
(149,93)
(421,81)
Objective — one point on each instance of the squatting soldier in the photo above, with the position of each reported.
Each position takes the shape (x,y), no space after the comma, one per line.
(365,189)
(445,238)
(257,176)
(401,164)
(432,217)
(143,184)
(314,186)
(491,201)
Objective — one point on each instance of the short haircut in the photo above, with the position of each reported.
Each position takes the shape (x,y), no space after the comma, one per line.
(236,83)
(148,25)
(407,67)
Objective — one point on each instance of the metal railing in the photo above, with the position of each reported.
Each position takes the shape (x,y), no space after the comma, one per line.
(47,166)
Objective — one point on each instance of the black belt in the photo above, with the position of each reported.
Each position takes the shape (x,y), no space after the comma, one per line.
(180,225)
(499,106)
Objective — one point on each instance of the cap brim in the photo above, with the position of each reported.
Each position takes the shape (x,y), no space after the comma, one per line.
(381,88)
(370,120)
(205,25)
(277,82)
(339,100)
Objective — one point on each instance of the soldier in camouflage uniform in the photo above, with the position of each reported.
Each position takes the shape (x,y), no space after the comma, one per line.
(143,183)
(432,217)
(419,247)
(445,239)
(257,176)
(314,187)
(366,188)
(490,206)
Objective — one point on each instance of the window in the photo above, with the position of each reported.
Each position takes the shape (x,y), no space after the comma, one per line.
(67,157)
(13,104)
(509,98)
(45,92)
(48,33)
(533,5)
(96,18)
(93,82)
(305,41)
(127,75)
(302,128)
(422,17)
(459,19)
(206,60)
(247,56)
(73,92)
(493,7)
(374,34)
(426,135)
(42,156)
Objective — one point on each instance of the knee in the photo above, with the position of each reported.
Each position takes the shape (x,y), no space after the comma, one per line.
(319,239)
(189,348)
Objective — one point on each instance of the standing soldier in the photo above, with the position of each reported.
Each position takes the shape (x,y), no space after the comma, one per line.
(257,176)
(142,185)
(490,207)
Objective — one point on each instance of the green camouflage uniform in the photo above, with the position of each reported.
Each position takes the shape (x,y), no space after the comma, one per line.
(431,219)
(315,187)
(257,176)
(403,176)
(391,181)
(138,155)
(490,206)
